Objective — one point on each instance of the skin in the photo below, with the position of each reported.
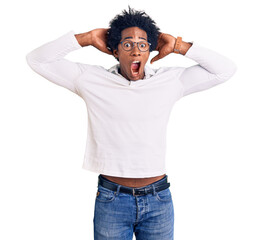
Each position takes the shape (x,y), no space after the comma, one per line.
(98,37)
(126,58)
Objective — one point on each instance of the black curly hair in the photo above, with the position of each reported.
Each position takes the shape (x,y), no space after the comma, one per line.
(132,18)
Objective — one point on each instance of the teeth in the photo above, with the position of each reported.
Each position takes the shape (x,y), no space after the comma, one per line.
(136,62)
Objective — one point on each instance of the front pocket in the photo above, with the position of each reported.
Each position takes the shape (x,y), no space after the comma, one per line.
(105,195)
(164,195)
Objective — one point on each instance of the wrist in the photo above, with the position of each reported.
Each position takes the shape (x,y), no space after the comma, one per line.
(181,47)
(84,39)
(185,47)
(177,45)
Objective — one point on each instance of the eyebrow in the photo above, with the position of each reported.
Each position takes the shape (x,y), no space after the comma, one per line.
(131,37)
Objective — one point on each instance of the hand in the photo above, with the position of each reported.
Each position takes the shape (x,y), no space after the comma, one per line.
(165,46)
(99,39)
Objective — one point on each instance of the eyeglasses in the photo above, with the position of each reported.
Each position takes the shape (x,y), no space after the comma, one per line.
(128,45)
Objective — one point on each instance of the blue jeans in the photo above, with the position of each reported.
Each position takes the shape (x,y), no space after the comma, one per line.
(118,215)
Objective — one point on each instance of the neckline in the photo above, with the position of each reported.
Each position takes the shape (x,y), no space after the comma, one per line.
(115,70)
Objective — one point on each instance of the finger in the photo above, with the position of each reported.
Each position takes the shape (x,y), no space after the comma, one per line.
(109,52)
(156,58)
(106,50)
(103,48)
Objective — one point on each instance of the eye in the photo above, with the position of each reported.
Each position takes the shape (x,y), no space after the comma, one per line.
(127,44)
(143,45)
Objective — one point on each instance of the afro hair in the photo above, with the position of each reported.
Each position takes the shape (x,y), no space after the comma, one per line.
(132,18)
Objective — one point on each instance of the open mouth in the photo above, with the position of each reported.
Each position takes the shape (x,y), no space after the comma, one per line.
(135,66)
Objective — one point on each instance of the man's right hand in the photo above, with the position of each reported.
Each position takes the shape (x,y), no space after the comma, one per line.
(99,39)
(96,38)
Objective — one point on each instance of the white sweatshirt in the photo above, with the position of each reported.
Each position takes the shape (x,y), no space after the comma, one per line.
(127,120)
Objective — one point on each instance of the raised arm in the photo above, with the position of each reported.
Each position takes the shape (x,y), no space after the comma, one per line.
(49,60)
(212,68)
(96,38)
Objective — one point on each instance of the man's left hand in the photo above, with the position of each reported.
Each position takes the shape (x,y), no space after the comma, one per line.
(165,46)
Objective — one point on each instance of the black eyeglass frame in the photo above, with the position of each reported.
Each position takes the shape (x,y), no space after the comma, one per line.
(133,45)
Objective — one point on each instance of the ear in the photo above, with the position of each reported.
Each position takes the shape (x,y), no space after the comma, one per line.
(115,53)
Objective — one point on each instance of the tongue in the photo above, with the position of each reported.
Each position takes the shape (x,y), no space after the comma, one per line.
(135,66)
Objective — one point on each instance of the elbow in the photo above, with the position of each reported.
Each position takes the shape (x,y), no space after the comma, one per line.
(32,62)
(29,59)
(35,65)
(229,73)
(233,69)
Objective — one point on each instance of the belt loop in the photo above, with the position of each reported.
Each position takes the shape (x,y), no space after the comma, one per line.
(98,180)
(154,192)
(118,190)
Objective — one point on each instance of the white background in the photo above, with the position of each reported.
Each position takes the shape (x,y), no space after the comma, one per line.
(214,160)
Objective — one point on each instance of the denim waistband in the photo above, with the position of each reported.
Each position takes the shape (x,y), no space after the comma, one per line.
(150,188)
(157,182)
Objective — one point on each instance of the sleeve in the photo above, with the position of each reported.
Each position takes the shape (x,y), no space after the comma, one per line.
(212,69)
(48,61)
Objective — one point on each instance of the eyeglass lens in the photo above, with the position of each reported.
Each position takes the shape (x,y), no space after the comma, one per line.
(128,45)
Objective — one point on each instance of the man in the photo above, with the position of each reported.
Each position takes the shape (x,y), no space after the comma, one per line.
(128,110)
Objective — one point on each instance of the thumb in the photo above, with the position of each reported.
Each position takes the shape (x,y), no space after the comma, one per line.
(102,47)
(157,57)
(108,51)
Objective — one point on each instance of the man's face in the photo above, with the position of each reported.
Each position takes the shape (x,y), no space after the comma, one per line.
(129,69)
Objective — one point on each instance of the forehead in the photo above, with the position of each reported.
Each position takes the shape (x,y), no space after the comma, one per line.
(133,32)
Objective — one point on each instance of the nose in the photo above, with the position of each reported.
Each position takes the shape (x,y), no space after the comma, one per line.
(135,51)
